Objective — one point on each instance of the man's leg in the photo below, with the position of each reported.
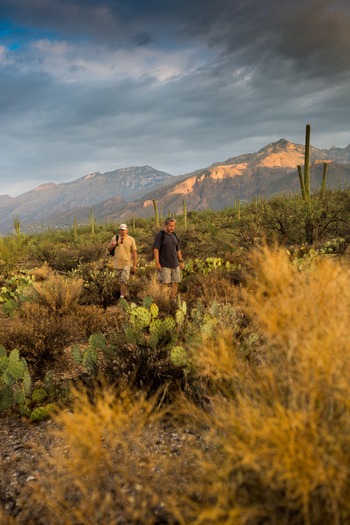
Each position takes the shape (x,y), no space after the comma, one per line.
(123,289)
(174,290)
(124,279)
(175,280)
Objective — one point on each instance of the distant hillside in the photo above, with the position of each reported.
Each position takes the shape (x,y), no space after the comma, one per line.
(125,193)
(270,171)
(36,207)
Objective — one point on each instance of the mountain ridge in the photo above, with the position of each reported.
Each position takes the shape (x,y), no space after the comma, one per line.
(127,192)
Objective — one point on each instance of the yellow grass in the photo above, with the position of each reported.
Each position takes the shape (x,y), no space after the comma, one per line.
(275,434)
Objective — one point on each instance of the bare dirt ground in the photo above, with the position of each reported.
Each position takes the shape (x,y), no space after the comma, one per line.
(20,445)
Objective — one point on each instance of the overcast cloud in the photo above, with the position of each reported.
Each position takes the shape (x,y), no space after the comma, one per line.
(97,85)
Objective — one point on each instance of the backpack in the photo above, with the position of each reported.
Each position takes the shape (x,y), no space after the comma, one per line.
(111,252)
(162,236)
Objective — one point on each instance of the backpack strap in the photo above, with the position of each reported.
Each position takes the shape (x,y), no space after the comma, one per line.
(162,237)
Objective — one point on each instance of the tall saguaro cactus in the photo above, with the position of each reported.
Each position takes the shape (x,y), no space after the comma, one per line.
(324,177)
(75,228)
(155,206)
(185,213)
(17,225)
(305,177)
(92,220)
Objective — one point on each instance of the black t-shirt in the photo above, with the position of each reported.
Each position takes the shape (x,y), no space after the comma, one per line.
(167,249)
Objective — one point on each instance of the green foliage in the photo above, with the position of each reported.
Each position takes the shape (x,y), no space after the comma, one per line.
(13,292)
(207,265)
(16,391)
(101,284)
(156,213)
(15,381)
(178,356)
(92,220)
(88,356)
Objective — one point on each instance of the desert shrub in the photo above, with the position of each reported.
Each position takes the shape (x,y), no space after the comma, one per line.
(61,251)
(41,273)
(118,470)
(216,286)
(137,352)
(60,296)
(100,283)
(40,337)
(150,286)
(14,292)
(278,438)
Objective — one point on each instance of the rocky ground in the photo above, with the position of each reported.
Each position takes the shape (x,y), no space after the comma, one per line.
(20,445)
(19,441)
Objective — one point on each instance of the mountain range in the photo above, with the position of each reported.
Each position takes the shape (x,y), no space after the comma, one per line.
(129,192)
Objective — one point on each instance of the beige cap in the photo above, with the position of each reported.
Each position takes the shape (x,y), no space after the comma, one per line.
(123,227)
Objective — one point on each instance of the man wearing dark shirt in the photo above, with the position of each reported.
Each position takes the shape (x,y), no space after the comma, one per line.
(168,257)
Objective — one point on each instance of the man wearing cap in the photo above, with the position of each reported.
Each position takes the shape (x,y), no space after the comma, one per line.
(125,257)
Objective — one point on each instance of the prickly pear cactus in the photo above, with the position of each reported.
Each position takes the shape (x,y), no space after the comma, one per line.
(16,369)
(42,412)
(155,326)
(179,317)
(147,301)
(154,310)
(6,397)
(140,317)
(182,306)
(39,394)
(168,324)
(178,356)
(15,381)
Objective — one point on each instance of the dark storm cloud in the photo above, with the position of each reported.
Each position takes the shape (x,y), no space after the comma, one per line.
(95,85)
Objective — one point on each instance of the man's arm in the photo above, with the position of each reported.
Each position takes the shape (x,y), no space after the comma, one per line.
(134,257)
(112,244)
(179,258)
(156,258)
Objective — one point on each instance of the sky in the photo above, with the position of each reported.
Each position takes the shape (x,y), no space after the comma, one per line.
(98,85)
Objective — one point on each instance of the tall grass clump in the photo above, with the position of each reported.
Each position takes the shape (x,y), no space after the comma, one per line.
(60,296)
(111,472)
(278,440)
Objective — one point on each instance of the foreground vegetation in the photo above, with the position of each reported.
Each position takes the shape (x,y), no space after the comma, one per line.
(250,367)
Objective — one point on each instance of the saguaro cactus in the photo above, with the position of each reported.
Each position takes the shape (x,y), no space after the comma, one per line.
(305,177)
(324,177)
(75,232)
(17,225)
(155,206)
(185,213)
(92,220)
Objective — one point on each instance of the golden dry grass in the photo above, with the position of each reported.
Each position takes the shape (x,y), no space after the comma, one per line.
(275,433)
(280,448)
(59,295)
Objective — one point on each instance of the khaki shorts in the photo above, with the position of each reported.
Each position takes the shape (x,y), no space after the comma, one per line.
(169,275)
(124,275)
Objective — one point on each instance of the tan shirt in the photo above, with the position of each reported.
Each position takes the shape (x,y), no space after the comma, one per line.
(123,254)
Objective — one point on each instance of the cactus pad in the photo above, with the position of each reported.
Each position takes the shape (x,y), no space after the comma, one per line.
(178,356)
(140,317)
(154,310)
